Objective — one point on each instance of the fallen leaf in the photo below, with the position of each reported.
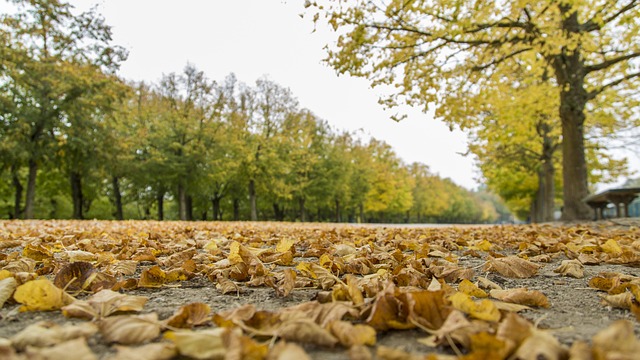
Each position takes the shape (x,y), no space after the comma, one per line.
(541,345)
(76,349)
(611,247)
(190,315)
(512,267)
(359,352)
(156,351)
(41,295)
(483,310)
(75,276)
(305,331)
(104,303)
(205,344)
(129,329)
(521,296)
(7,287)
(287,351)
(572,268)
(46,333)
(618,341)
(153,277)
(471,289)
(623,300)
(350,335)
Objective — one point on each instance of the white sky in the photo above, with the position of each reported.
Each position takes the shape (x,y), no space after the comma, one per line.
(253,38)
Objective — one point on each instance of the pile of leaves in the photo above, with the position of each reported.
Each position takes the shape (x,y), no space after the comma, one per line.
(367,282)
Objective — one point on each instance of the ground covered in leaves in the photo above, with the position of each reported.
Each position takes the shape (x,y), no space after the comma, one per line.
(163,290)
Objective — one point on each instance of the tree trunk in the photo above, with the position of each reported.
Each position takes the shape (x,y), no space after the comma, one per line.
(75,179)
(361,213)
(160,200)
(337,214)
(303,214)
(189,208)
(236,209)
(117,197)
(549,190)
(278,212)
(215,203)
(252,200)
(570,74)
(29,204)
(18,194)
(182,203)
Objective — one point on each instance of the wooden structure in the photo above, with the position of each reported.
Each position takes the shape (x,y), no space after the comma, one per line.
(620,197)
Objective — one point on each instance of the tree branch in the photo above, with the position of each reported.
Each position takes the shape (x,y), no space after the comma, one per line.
(594,93)
(592,25)
(611,62)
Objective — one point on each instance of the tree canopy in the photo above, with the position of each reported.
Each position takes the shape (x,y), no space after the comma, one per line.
(432,51)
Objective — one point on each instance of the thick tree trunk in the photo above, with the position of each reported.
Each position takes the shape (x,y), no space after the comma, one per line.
(29,204)
(75,179)
(215,203)
(117,198)
(236,209)
(570,73)
(160,200)
(17,201)
(182,203)
(252,200)
(278,212)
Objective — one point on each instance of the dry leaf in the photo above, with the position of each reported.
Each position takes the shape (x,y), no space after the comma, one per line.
(156,351)
(350,335)
(512,267)
(359,352)
(45,333)
(287,351)
(153,277)
(103,304)
(483,310)
(7,287)
(190,315)
(130,329)
(76,349)
(41,295)
(521,296)
(623,300)
(75,276)
(541,345)
(206,344)
(573,268)
(471,289)
(618,341)
(305,331)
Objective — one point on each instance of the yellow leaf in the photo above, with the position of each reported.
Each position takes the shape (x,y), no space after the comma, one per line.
(611,247)
(47,333)
(541,345)
(618,341)
(76,349)
(483,310)
(471,289)
(206,344)
(285,245)
(153,277)
(157,351)
(350,335)
(287,351)
(41,295)
(573,268)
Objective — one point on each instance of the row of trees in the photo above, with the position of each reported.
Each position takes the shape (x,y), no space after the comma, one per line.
(88,144)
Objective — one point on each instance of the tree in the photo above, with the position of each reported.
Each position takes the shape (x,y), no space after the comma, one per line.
(44,41)
(431,50)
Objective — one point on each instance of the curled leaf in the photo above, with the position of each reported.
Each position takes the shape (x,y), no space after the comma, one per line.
(512,267)
(130,329)
(522,296)
(190,315)
(572,268)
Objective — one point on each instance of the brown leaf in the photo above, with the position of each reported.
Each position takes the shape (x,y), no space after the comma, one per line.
(521,296)
(623,300)
(76,349)
(130,329)
(45,333)
(190,315)
(75,276)
(572,268)
(153,277)
(541,345)
(512,267)
(617,341)
(483,310)
(103,304)
(305,331)
(287,351)
(359,352)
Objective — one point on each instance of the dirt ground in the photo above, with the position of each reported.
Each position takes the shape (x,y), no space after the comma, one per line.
(576,312)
